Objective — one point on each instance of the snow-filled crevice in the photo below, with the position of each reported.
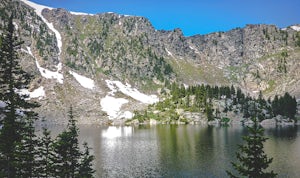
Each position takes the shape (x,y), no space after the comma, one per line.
(38,10)
(83,81)
(45,72)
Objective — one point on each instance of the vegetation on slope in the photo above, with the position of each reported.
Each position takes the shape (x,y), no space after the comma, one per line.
(215,103)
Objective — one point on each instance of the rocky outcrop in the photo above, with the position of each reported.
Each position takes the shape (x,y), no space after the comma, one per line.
(129,49)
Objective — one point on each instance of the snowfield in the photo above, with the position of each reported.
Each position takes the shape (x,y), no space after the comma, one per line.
(83,81)
(132,92)
(37,93)
(80,13)
(112,106)
(50,74)
(296,28)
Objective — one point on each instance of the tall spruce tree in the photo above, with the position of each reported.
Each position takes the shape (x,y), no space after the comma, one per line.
(86,167)
(26,153)
(67,150)
(46,155)
(14,116)
(253,161)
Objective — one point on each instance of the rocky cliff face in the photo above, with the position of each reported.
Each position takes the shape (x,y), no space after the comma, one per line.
(110,47)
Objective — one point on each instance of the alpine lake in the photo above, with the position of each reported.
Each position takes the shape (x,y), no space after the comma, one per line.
(183,150)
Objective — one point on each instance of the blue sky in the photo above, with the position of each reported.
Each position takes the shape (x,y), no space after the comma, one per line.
(193,16)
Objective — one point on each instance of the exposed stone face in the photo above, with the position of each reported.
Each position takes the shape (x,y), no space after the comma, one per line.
(129,49)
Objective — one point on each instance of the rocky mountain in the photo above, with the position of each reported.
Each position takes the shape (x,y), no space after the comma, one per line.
(108,65)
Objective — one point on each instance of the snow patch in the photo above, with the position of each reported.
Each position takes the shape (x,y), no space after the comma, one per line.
(193,48)
(169,53)
(29,52)
(132,92)
(186,86)
(83,81)
(16,25)
(37,93)
(25,51)
(80,13)
(112,106)
(296,28)
(50,74)
(261,66)
(47,73)
(127,115)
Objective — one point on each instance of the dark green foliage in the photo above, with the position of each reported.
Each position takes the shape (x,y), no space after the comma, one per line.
(46,155)
(252,160)
(17,133)
(209,112)
(205,99)
(67,150)
(285,106)
(85,168)
(298,39)
(26,153)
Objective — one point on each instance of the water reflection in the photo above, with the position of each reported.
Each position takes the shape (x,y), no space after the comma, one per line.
(183,151)
(115,132)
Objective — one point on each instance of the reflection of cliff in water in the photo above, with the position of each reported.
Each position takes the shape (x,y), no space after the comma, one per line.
(196,150)
(283,146)
(285,131)
(182,150)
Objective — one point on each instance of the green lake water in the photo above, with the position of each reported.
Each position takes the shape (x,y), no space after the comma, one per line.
(184,150)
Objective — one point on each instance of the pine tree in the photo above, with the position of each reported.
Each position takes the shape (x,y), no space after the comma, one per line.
(86,167)
(252,159)
(46,155)
(209,111)
(26,153)
(15,117)
(67,150)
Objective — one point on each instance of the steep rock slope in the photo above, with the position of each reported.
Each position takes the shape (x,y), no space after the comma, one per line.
(97,61)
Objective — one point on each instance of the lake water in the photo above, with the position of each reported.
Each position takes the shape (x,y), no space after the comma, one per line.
(184,150)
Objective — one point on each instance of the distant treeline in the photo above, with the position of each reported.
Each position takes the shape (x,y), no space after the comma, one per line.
(207,99)
(285,105)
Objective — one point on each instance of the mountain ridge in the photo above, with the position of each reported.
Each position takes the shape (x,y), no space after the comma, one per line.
(129,49)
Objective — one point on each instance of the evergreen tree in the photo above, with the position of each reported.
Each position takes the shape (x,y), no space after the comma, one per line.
(85,168)
(46,155)
(232,91)
(67,150)
(26,153)
(15,116)
(252,159)
(209,111)
(289,106)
